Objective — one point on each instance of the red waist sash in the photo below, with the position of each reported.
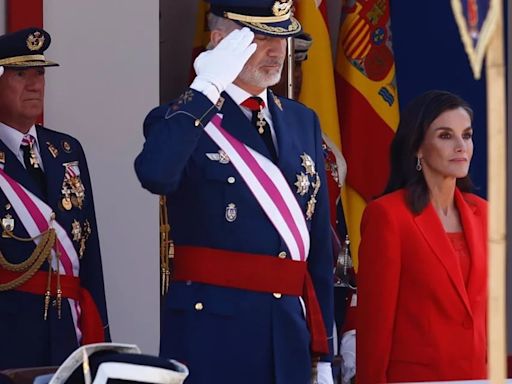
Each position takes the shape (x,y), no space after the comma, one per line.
(253,272)
(90,323)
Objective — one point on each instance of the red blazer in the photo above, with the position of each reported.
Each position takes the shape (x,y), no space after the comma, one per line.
(416,319)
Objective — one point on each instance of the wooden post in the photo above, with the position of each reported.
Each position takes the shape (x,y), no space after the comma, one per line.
(496,142)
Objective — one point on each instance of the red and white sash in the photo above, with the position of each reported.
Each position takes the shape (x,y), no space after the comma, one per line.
(35,216)
(268,186)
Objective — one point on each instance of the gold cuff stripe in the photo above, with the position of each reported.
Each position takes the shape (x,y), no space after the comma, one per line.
(256,19)
(20,59)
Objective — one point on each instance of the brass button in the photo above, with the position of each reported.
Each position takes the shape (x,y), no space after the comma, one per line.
(198,306)
(277,295)
(231,180)
(282,255)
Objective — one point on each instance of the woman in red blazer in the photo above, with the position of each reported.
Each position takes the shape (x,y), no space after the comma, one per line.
(422,279)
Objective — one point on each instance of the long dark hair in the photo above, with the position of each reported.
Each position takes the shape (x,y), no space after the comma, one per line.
(414,122)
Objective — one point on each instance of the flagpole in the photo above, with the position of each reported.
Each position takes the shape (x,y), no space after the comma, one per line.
(496,144)
(291,65)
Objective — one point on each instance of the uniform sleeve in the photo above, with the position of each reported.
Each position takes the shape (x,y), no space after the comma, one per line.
(320,255)
(377,286)
(172,133)
(91,269)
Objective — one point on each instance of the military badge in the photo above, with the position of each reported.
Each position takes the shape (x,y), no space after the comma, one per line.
(282,7)
(231,212)
(35,41)
(308,164)
(477,20)
(306,180)
(219,156)
(66,146)
(302,184)
(54,151)
(2,157)
(278,102)
(8,223)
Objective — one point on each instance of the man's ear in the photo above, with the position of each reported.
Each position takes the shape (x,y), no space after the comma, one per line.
(216,37)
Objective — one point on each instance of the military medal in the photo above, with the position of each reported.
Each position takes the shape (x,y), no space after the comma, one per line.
(86,232)
(66,203)
(261,122)
(76,231)
(304,182)
(72,187)
(2,157)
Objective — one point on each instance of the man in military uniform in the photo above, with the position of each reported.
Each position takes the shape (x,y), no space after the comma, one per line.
(51,281)
(242,169)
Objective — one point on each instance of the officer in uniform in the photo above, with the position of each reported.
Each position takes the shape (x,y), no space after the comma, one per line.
(251,292)
(51,282)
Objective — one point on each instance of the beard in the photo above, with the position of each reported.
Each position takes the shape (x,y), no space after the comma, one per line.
(262,78)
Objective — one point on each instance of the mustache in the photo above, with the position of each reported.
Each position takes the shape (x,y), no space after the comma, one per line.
(278,61)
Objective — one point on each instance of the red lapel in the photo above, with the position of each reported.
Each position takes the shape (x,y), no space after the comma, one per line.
(472,222)
(432,230)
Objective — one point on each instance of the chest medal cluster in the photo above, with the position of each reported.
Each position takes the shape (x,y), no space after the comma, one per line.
(73,191)
(308,181)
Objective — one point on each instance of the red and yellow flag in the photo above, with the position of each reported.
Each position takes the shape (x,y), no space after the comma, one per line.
(367,103)
(318,89)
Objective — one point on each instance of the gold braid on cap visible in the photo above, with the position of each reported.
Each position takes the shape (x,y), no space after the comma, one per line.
(256,19)
(21,59)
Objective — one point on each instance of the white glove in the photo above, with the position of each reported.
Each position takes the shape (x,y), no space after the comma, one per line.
(1,70)
(348,353)
(324,375)
(220,66)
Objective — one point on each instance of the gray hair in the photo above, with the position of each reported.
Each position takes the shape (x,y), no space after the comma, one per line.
(217,23)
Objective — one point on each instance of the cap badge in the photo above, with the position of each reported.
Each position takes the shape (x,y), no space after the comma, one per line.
(282,7)
(35,41)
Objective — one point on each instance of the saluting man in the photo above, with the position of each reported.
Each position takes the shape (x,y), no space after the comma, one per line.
(251,294)
(51,281)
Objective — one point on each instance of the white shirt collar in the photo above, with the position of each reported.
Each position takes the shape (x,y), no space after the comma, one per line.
(12,137)
(239,95)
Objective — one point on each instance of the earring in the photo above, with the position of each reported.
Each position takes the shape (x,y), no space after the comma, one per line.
(418,165)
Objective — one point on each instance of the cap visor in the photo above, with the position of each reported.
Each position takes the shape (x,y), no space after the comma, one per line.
(35,63)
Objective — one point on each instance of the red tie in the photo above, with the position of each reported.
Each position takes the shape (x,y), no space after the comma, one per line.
(255,105)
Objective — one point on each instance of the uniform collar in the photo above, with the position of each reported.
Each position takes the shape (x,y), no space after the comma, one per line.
(12,137)
(239,95)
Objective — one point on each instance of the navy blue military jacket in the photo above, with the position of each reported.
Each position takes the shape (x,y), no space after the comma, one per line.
(26,339)
(263,339)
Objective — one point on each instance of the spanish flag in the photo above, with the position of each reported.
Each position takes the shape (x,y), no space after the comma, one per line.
(318,89)
(367,104)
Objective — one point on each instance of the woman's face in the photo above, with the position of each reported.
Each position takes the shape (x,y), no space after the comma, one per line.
(447,148)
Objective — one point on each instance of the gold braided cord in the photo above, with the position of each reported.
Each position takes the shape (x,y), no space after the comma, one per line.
(166,249)
(28,262)
(41,253)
